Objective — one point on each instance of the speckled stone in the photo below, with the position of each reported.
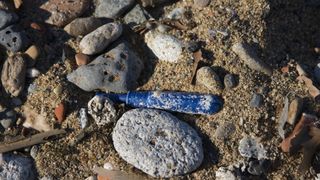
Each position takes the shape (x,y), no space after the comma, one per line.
(84,26)
(13,39)
(98,40)
(112,8)
(102,110)
(208,78)
(7,18)
(13,74)
(16,167)
(165,47)
(62,12)
(157,143)
(117,71)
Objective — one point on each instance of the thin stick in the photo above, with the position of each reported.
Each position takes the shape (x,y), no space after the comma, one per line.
(35,139)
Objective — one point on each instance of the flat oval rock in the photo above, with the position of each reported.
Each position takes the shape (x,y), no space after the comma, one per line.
(99,39)
(112,8)
(84,26)
(13,74)
(157,143)
(117,71)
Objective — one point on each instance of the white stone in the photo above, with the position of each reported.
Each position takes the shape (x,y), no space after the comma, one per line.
(33,73)
(102,110)
(249,147)
(165,47)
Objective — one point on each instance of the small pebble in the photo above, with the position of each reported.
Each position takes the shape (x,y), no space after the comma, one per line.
(208,78)
(82,59)
(60,112)
(33,73)
(102,110)
(34,151)
(249,147)
(58,90)
(229,81)
(256,100)
(224,131)
(7,118)
(83,118)
(176,13)
(201,3)
(108,166)
(36,26)
(193,46)
(258,167)
(33,52)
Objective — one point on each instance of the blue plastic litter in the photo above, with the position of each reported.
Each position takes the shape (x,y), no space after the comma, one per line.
(185,102)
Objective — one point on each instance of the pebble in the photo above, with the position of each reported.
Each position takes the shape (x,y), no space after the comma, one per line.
(13,74)
(33,73)
(33,52)
(36,26)
(83,118)
(256,100)
(62,12)
(60,112)
(82,59)
(250,58)
(111,8)
(201,3)
(136,16)
(84,26)
(257,167)
(208,78)
(17,167)
(7,118)
(229,81)
(108,166)
(295,110)
(13,39)
(193,46)
(224,131)
(34,151)
(102,110)
(7,18)
(225,173)
(176,14)
(98,40)
(115,71)
(165,47)
(316,72)
(157,143)
(249,147)
(58,90)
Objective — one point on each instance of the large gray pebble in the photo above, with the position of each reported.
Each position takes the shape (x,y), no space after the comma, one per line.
(165,47)
(7,18)
(84,26)
(115,71)
(112,8)
(157,143)
(136,16)
(250,58)
(13,39)
(15,167)
(7,118)
(13,74)
(96,41)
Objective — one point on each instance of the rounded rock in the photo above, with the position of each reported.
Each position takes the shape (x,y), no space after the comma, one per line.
(207,77)
(82,59)
(165,47)
(84,26)
(102,110)
(96,41)
(7,118)
(229,81)
(7,18)
(157,143)
(60,112)
(13,39)
(256,100)
(224,131)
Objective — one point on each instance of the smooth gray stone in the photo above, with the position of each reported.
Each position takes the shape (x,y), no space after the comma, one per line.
(112,8)
(256,100)
(115,71)
(13,39)
(7,18)
(157,143)
(84,26)
(229,81)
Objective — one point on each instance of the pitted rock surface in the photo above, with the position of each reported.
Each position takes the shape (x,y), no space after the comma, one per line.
(157,143)
(115,71)
(13,39)
(102,110)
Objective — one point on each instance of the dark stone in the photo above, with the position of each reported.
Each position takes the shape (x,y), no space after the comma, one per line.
(258,167)
(193,46)
(13,39)
(7,118)
(7,18)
